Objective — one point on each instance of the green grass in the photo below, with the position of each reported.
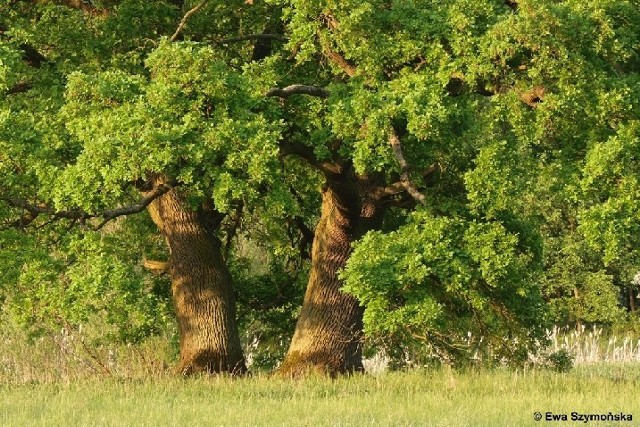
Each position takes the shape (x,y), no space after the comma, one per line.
(57,380)
(435,397)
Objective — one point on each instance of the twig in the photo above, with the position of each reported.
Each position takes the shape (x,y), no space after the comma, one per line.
(85,347)
(185,18)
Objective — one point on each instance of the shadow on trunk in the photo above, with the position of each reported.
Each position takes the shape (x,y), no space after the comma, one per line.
(202,288)
(328,335)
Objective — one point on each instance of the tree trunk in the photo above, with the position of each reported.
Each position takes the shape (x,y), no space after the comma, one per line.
(202,288)
(328,335)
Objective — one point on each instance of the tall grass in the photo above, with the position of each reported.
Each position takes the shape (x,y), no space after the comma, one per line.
(71,355)
(584,346)
(591,346)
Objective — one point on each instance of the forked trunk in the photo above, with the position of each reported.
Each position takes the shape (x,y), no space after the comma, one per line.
(202,289)
(328,335)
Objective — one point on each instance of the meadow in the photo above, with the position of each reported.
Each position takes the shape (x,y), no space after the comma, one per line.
(53,381)
(439,397)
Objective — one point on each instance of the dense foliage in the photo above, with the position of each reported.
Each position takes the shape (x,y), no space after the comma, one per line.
(519,122)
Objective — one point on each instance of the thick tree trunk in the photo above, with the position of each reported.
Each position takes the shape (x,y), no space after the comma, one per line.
(202,289)
(328,335)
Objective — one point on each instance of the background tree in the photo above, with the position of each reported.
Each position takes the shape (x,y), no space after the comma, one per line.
(583,55)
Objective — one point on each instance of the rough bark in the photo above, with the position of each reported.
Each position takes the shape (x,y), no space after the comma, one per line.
(202,288)
(328,335)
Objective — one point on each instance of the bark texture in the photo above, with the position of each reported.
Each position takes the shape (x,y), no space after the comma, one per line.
(328,335)
(202,288)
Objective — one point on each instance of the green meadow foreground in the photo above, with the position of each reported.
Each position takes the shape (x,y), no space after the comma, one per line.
(439,397)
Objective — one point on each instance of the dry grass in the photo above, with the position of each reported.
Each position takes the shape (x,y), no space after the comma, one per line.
(591,346)
(68,356)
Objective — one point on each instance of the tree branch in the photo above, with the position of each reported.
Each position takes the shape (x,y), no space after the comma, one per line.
(34,210)
(232,231)
(263,36)
(306,152)
(339,60)
(137,208)
(32,57)
(298,89)
(156,267)
(185,18)
(396,195)
(404,169)
(306,236)
(326,167)
(332,24)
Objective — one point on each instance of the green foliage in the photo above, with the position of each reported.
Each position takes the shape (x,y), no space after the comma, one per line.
(577,286)
(610,220)
(191,121)
(530,117)
(91,277)
(560,361)
(438,279)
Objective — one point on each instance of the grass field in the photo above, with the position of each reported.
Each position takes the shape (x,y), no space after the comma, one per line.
(60,380)
(440,397)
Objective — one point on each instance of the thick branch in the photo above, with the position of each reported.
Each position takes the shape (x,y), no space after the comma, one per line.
(185,18)
(326,167)
(156,267)
(404,169)
(24,220)
(298,89)
(332,24)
